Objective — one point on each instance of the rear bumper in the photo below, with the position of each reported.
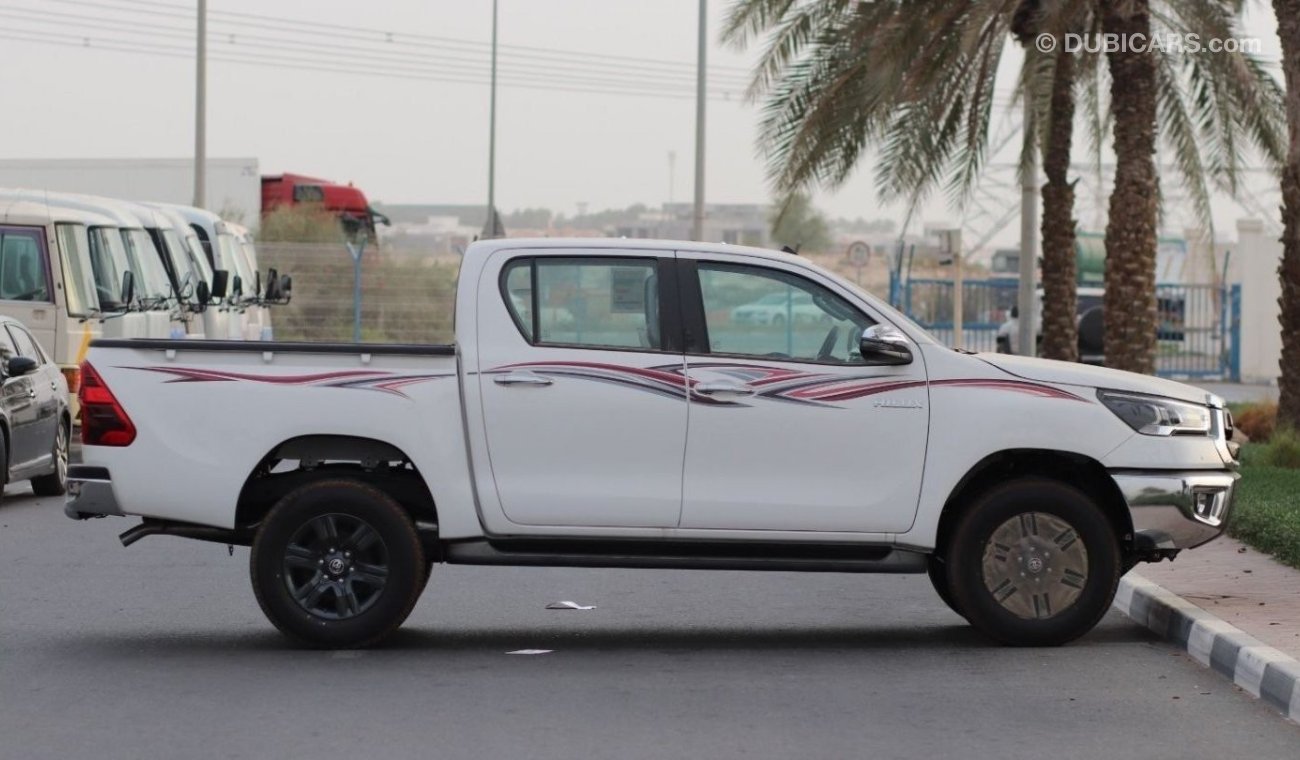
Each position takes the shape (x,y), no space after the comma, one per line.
(1178,510)
(90,493)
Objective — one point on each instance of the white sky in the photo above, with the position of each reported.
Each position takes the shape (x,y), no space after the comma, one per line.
(419,141)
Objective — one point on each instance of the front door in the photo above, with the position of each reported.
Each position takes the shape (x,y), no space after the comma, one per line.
(790,429)
(582,383)
(25,290)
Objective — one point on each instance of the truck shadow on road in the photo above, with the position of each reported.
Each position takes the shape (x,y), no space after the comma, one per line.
(499,641)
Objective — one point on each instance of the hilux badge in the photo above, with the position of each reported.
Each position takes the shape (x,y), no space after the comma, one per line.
(903,404)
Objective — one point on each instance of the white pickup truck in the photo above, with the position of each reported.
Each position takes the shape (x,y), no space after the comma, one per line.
(602,407)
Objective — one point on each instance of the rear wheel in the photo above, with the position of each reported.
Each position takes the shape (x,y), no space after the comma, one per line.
(56,483)
(1033,563)
(337,563)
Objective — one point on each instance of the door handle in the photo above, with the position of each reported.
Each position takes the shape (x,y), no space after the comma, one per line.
(709,389)
(522,378)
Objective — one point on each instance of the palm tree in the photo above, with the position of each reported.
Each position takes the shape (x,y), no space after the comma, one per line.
(914,80)
(1288,30)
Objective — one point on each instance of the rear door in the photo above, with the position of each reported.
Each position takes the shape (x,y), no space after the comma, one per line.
(790,430)
(19,399)
(582,387)
(45,386)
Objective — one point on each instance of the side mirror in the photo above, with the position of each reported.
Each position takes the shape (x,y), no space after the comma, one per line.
(220,278)
(882,345)
(257,283)
(272,284)
(128,287)
(286,287)
(20,365)
(237,287)
(203,293)
(1015,312)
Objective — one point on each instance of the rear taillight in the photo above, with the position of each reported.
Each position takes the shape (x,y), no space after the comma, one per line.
(73,376)
(103,420)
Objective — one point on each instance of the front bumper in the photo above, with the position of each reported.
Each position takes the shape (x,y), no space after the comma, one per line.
(1177,510)
(90,493)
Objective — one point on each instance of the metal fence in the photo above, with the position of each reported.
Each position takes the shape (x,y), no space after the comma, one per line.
(1199,330)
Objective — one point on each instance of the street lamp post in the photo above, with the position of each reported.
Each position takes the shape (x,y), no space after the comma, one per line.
(697,225)
(200,106)
(490,228)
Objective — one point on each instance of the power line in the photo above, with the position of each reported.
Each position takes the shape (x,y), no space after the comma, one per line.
(84,42)
(336,52)
(408,39)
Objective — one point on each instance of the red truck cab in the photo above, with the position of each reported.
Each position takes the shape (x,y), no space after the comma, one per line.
(346,202)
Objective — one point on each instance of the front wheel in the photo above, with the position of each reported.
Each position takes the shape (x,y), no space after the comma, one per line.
(1033,563)
(337,564)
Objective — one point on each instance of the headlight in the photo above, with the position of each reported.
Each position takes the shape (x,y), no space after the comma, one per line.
(1153,415)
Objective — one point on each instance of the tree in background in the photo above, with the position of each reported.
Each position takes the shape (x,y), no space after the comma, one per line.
(301,223)
(914,80)
(1288,30)
(801,226)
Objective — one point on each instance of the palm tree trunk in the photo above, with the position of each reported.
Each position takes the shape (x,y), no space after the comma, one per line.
(1060,271)
(1130,304)
(1288,30)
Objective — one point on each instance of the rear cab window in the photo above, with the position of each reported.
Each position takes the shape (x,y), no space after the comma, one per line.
(586,302)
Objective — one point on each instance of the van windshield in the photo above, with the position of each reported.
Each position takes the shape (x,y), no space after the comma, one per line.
(151,277)
(78,281)
(198,259)
(233,260)
(180,259)
(107,262)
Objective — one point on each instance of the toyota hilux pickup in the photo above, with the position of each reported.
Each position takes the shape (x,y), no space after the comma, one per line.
(602,406)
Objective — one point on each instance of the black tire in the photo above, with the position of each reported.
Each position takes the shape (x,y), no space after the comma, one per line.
(4,462)
(1020,577)
(938,572)
(56,483)
(326,522)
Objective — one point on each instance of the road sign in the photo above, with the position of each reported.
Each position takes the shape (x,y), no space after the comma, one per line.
(858,253)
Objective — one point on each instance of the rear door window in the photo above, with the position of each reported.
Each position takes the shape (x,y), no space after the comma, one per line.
(585,302)
(23,265)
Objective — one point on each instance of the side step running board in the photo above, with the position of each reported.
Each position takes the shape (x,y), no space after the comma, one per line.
(686,555)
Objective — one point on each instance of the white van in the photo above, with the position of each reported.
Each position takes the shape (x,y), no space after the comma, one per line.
(60,279)
(190,265)
(257,318)
(154,298)
(223,251)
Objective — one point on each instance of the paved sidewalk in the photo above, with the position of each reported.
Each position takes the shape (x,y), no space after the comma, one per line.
(1239,585)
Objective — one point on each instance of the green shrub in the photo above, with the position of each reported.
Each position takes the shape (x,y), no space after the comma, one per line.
(1282,450)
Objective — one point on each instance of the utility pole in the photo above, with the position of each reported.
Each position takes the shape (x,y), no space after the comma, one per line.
(697,226)
(672,174)
(1028,301)
(490,228)
(200,108)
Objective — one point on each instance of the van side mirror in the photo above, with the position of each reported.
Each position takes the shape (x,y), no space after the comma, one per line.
(17,366)
(257,283)
(286,287)
(203,293)
(882,345)
(237,286)
(1015,312)
(128,287)
(220,279)
(272,284)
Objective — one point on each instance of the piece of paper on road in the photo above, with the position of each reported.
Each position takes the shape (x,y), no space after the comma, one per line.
(566,605)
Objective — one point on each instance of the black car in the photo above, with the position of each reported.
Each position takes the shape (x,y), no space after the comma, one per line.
(34,415)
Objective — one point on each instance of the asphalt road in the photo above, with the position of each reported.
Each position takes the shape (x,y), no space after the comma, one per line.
(160,651)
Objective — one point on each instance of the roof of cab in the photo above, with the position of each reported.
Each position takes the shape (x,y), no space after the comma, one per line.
(485,247)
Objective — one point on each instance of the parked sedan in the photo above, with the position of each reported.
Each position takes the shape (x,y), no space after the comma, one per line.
(34,412)
(772,309)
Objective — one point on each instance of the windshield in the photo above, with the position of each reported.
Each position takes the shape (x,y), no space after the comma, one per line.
(233,261)
(198,259)
(180,259)
(78,281)
(107,262)
(151,278)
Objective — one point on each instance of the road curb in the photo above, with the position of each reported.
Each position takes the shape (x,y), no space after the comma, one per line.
(1261,670)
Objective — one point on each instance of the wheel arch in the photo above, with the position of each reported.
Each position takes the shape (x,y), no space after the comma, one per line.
(368,460)
(1071,468)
